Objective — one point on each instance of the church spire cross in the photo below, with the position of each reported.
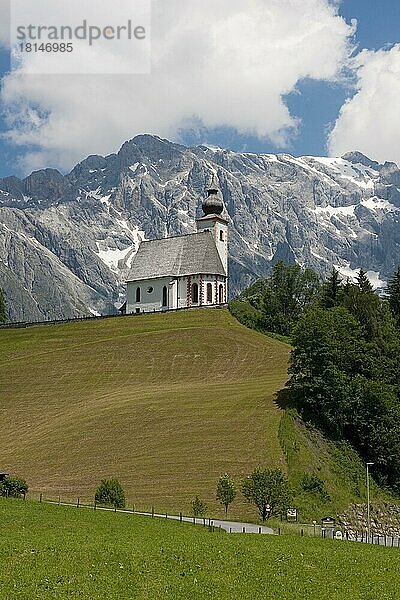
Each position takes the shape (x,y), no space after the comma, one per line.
(213,189)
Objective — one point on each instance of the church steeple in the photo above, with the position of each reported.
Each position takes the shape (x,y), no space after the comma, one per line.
(213,220)
(213,205)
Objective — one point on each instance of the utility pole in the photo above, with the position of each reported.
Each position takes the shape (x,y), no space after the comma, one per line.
(368,508)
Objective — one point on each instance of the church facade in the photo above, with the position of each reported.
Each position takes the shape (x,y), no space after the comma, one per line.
(184,271)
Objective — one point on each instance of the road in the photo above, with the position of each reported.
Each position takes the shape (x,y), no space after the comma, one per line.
(228,526)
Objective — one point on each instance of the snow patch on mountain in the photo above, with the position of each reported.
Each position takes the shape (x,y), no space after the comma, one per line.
(113,257)
(359,175)
(336,210)
(375,203)
(376,281)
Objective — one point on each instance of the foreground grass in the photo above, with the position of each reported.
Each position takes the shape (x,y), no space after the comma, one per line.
(50,552)
(165,403)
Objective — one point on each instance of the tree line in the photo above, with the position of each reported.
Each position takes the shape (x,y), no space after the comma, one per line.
(345,362)
(267,489)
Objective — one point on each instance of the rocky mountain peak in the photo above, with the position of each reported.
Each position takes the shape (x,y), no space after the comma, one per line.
(47,184)
(148,149)
(360,159)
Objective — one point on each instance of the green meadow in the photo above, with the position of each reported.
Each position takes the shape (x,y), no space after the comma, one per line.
(50,552)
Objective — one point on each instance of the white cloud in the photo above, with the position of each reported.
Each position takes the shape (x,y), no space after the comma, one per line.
(224,62)
(370,120)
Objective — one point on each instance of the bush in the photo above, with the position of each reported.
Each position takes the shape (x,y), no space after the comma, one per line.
(15,487)
(314,485)
(245,313)
(110,493)
(199,508)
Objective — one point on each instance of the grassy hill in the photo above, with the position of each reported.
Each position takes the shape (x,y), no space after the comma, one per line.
(49,552)
(166,403)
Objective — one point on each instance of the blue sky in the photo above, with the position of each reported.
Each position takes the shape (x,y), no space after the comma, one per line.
(315,103)
(318,103)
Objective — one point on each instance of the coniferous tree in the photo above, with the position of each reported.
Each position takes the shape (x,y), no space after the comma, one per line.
(393,293)
(347,286)
(363,282)
(361,301)
(330,295)
(3,312)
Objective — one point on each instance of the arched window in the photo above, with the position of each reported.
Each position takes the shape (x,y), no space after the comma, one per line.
(221,293)
(221,235)
(209,293)
(195,293)
(165,296)
(138,294)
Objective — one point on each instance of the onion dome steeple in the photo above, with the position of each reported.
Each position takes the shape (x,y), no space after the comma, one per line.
(213,204)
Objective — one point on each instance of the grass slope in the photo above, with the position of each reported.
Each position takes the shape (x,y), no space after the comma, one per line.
(166,403)
(335,463)
(49,552)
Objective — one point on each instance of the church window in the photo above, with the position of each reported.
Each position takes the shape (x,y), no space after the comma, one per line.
(150,290)
(221,235)
(138,294)
(209,293)
(195,293)
(165,296)
(221,293)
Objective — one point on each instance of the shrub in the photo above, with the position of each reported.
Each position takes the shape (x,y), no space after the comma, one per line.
(226,491)
(110,493)
(15,487)
(314,485)
(199,507)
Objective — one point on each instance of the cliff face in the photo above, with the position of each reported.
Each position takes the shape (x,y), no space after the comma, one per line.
(66,242)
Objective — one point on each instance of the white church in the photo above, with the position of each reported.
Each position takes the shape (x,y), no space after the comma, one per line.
(184,271)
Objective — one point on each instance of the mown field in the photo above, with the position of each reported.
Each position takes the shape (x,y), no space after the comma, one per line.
(50,552)
(165,403)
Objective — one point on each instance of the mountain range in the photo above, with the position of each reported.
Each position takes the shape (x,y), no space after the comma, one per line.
(67,241)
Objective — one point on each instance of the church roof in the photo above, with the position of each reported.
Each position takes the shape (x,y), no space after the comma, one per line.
(176,257)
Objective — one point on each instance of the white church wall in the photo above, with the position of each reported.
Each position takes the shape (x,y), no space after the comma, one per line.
(151,295)
(221,241)
(182,296)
